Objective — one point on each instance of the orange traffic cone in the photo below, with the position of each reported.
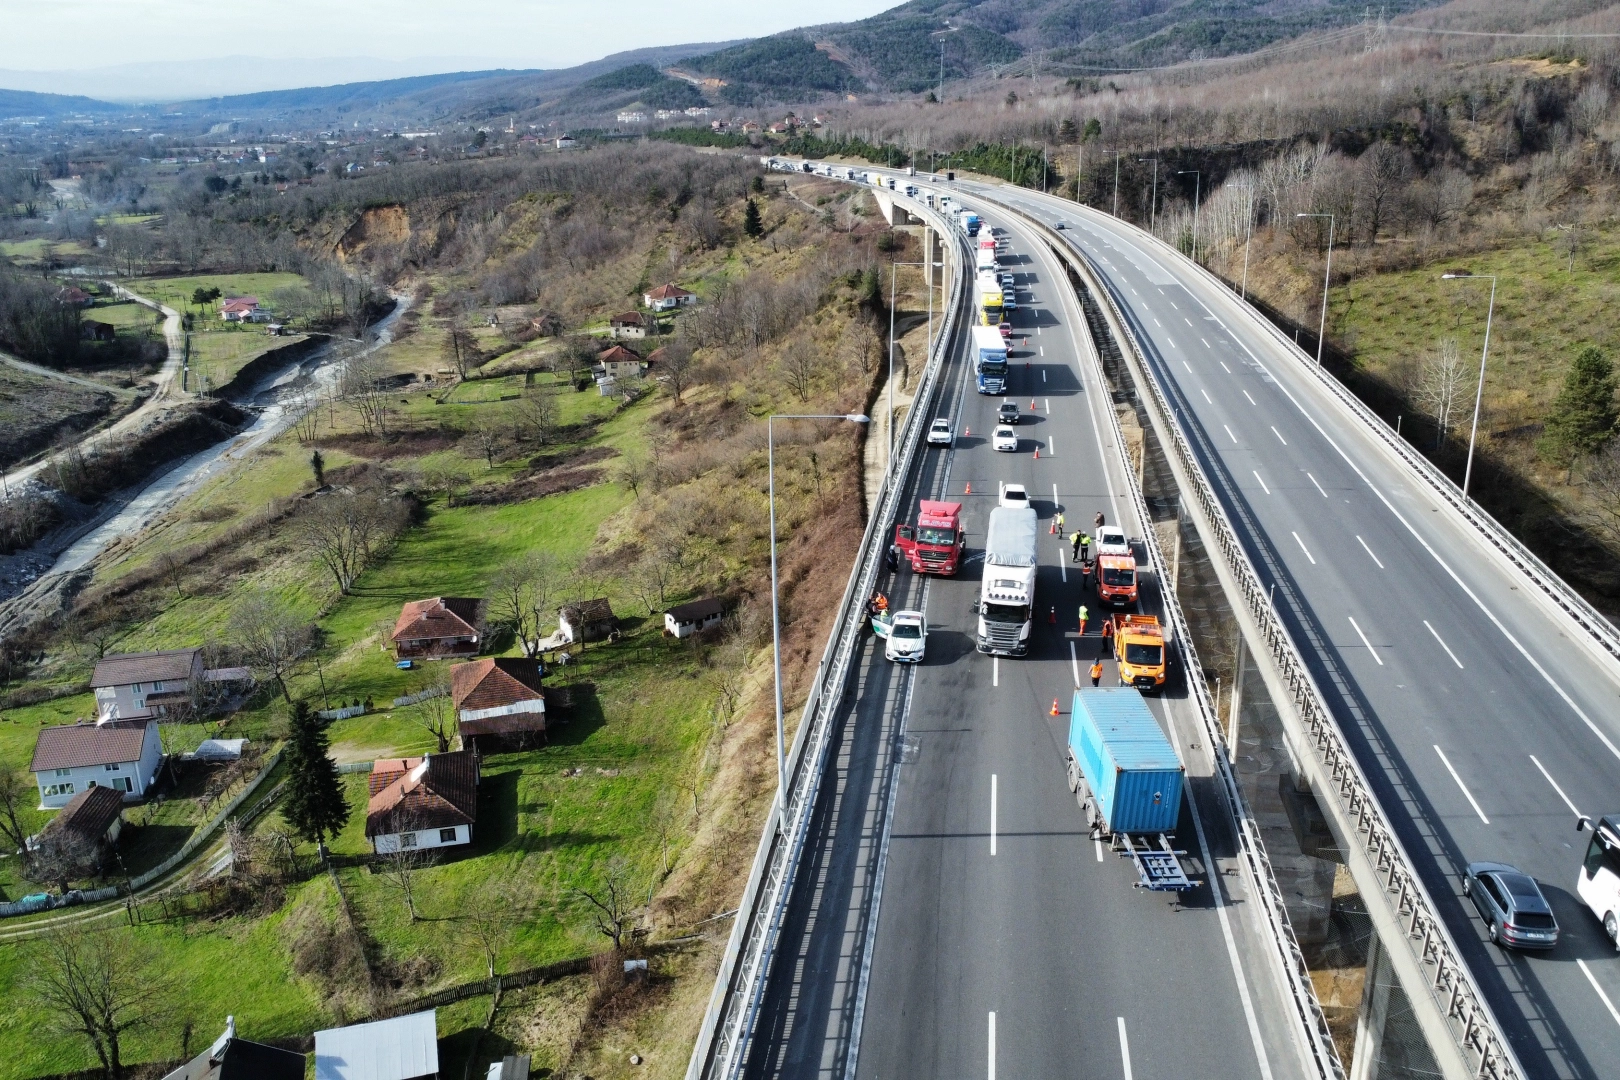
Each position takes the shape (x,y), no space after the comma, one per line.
(1053,530)
(969,431)
(1031,404)
(1037,453)
(969,490)
(1055,708)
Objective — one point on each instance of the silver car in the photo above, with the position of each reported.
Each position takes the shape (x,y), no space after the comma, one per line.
(1511,904)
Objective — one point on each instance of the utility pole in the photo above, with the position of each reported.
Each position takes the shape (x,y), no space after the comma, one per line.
(1153,209)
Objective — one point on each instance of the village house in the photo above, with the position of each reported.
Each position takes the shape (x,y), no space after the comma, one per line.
(75,757)
(143,686)
(684,620)
(88,826)
(498,696)
(441,628)
(425,802)
(668,297)
(91,330)
(238,308)
(631,324)
(399,1048)
(591,620)
(73,296)
(566,141)
(231,1058)
(619,362)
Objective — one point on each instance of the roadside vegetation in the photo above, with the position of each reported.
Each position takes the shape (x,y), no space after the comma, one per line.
(484,462)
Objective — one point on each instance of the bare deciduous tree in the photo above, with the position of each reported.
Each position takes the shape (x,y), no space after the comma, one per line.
(535,416)
(437,711)
(799,365)
(398,868)
(522,596)
(344,531)
(487,437)
(613,904)
(16,793)
(1603,493)
(1440,381)
(100,985)
(271,635)
(364,384)
(460,349)
(676,368)
(491,915)
(865,345)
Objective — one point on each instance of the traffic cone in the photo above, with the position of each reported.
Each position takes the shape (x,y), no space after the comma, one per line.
(969,431)
(1031,404)
(1053,530)
(1055,711)
(1037,453)
(969,490)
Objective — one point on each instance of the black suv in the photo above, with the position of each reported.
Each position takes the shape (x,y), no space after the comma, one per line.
(1008,413)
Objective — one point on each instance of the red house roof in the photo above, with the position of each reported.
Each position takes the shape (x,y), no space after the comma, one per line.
(240,303)
(618,355)
(440,617)
(431,792)
(77,745)
(669,291)
(493,682)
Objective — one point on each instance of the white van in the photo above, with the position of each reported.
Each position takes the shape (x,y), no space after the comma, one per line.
(1598,883)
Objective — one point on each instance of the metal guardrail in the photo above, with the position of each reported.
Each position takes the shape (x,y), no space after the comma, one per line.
(727,1024)
(1459,999)
(1251,849)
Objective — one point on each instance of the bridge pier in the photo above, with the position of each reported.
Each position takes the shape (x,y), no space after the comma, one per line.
(1389,1043)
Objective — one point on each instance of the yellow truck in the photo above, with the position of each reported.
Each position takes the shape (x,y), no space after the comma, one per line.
(1139,648)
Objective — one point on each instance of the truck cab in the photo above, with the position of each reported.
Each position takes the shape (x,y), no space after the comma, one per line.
(1140,649)
(990,362)
(934,544)
(1598,882)
(1007,591)
(1116,580)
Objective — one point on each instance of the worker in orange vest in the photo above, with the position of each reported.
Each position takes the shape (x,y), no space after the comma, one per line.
(1108,636)
(1083,614)
(1096,671)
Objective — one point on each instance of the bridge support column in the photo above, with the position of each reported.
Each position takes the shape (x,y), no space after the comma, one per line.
(1389,1043)
(934,249)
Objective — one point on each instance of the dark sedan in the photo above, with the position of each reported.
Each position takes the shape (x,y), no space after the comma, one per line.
(1512,906)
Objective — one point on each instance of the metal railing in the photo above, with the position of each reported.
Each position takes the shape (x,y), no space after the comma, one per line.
(723,1038)
(1251,849)
(1459,999)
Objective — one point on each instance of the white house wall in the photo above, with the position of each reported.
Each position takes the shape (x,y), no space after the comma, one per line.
(426,840)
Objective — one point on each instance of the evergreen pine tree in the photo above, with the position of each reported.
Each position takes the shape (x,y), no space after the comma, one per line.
(752,225)
(314,805)
(1583,414)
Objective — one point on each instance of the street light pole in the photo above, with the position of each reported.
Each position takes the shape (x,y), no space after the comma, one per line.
(1153,207)
(1479,391)
(1248,235)
(1198,190)
(776,613)
(1327,275)
(1117,153)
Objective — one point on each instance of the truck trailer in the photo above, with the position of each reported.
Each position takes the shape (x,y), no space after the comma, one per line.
(990,359)
(934,544)
(1007,593)
(1127,779)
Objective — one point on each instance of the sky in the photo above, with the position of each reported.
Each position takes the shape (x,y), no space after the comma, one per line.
(408,37)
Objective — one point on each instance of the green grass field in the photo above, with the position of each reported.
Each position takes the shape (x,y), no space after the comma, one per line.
(1544,315)
(176,291)
(218,352)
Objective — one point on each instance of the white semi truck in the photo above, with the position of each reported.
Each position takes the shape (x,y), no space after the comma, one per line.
(1007,594)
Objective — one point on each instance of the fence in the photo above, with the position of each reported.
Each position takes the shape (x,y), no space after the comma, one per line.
(1449,981)
(420,695)
(135,884)
(728,1023)
(343,713)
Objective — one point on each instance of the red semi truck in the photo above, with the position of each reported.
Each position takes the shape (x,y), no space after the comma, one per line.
(934,545)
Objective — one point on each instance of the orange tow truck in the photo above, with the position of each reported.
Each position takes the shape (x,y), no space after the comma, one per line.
(1139,648)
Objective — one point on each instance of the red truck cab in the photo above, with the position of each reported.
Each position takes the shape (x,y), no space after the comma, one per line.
(934,544)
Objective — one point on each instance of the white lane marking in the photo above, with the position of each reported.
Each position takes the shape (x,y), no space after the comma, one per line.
(1443,644)
(992,1046)
(1037,329)
(1201,390)
(1606,1002)
(1048,406)
(1051,446)
(1262,483)
(1205,341)
(1357,627)
(1369,552)
(1187,366)
(1251,399)
(1171,342)
(1572,807)
(993,792)
(1277,433)
(995,671)
(1124,1047)
(1174,305)
(1318,486)
(1229,434)
(1447,762)
(1496,621)
(1042,349)
(1227,369)
(1302,546)
(1159,324)
(1074,663)
(1186,320)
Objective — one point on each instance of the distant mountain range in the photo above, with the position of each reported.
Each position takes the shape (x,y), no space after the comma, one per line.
(904,50)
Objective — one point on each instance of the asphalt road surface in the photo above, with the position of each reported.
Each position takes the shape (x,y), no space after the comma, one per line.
(952,917)
(1483,721)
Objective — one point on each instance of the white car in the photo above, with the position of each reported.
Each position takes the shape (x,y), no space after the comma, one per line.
(1110,540)
(1004,438)
(908,637)
(1014,495)
(939,433)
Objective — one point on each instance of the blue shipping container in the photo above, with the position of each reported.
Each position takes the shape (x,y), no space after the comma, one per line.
(1130,767)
